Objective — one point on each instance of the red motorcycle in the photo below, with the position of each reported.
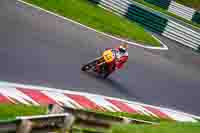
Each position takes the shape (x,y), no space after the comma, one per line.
(99,65)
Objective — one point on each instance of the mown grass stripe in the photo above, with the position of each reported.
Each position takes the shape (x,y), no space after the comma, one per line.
(89,14)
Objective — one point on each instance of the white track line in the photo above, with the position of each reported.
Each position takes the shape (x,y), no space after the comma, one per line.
(164,46)
(120,39)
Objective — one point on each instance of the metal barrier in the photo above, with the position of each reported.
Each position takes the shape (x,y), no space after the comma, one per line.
(65,122)
(161,3)
(41,123)
(103,119)
(181,10)
(153,21)
(134,12)
(178,9)
(182,35)
(196,17)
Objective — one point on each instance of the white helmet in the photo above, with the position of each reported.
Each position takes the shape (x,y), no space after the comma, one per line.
(123,48)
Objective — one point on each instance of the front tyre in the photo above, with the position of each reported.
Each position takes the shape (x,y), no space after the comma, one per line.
(86,68)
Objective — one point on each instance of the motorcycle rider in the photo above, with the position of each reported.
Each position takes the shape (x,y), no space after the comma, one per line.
(121,57)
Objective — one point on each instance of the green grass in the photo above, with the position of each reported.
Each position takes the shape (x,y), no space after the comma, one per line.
(165,126)
(162,128)
(88,130)
(154,7)
(10,111)
(190,3)
(93,16)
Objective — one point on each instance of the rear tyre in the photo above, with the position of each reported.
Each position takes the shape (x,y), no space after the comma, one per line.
(85,68)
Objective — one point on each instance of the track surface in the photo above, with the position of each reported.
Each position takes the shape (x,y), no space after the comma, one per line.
(41,49)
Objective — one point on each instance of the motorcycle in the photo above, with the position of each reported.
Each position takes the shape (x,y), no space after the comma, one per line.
(99,64)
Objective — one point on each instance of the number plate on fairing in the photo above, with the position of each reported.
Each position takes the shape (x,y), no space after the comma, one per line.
(108,56)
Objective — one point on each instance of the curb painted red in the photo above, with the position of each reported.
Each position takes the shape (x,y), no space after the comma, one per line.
(31,95)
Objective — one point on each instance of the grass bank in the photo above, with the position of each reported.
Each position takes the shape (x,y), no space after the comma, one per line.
(195,4)
(93,16)
(162,128)
(10,111)
(157,8)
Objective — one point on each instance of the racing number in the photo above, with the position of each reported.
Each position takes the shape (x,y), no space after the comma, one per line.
(108,56)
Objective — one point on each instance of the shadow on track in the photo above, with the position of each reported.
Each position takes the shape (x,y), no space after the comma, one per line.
(113,84)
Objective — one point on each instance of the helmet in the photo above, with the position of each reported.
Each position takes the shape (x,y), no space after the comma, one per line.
(123,48)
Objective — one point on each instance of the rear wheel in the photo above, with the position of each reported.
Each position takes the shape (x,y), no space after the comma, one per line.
(90,65)
(86,67)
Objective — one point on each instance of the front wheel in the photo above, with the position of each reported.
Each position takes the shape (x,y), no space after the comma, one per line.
(86,67)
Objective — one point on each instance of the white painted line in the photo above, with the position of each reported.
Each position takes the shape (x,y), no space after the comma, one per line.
(14,94)
(164,46)
(72,21)
(178,116)
(61,98)
(99,100)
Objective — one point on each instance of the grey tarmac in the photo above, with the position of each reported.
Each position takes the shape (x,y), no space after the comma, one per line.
(41,49)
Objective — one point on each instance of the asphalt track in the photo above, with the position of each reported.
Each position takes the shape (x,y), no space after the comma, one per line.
(41,49)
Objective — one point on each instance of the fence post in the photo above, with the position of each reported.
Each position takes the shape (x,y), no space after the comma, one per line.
(25,126)
(68,123)
(69,120)
(198,50)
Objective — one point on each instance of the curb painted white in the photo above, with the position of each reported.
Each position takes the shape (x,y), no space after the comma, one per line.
(175,114)
(164,46)
(113,37)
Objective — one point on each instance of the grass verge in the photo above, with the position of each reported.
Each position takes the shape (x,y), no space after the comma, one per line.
(190,3)
(93,16)
(88,130)
(162,128)
(10,111)
(154,7)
